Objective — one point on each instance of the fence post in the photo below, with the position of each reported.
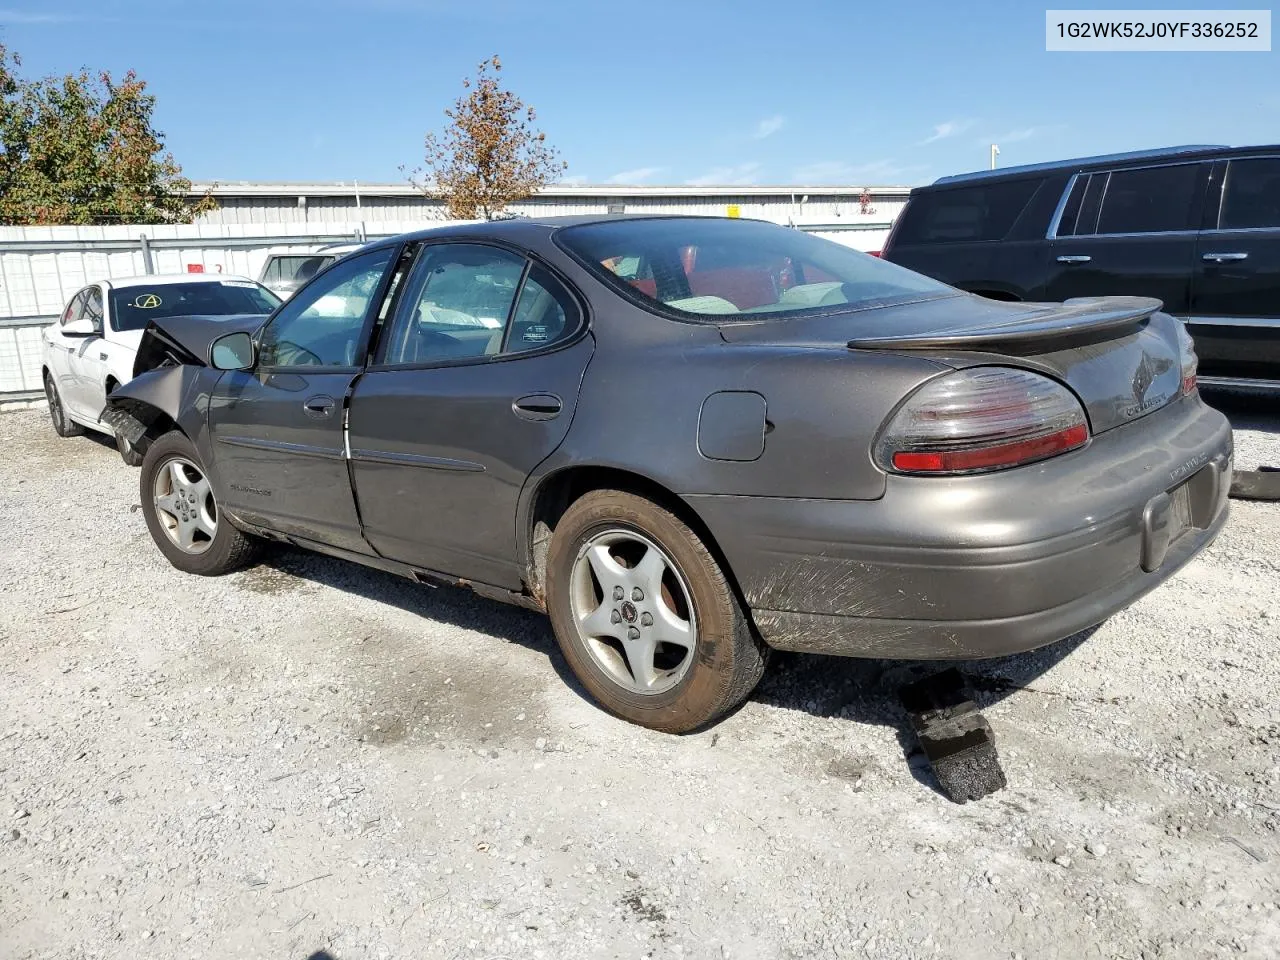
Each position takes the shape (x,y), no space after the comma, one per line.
(147,265)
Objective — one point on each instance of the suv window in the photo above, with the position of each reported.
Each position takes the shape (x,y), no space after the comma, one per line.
(983,212)
(1148,201)
(1251,198)
(322,326)
(458,301)
(93,306)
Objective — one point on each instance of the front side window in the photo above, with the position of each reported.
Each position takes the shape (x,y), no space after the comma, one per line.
(1148,201)
(322,326)
(133,307)
(93,306)
(985,212)
(1251,198)
(724,269)
(467,301)
(75,309)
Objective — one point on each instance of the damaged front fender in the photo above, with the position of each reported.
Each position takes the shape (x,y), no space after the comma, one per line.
(149,404)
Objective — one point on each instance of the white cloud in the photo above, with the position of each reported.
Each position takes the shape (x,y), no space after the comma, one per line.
(577,180)
(877,172)
(638,175)
(769,126)
(744,174)
(948,129)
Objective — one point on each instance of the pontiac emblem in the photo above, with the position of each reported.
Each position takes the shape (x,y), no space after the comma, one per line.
(1143,377)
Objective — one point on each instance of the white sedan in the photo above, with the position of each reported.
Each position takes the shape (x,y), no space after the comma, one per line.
(90,350)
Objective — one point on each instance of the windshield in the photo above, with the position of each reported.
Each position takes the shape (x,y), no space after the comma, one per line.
(722,269)
(133,307)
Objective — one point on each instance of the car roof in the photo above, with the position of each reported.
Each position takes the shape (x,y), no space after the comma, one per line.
(1187,152)
(515,227)
(160,279)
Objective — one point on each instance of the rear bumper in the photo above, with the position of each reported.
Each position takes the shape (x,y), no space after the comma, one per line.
(982,566)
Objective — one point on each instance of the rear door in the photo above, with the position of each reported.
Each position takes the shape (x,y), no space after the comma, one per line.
(278,429)
(1235,297)
(1130,232)
(474,384)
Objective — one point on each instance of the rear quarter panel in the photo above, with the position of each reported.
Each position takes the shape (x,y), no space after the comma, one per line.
(644,391)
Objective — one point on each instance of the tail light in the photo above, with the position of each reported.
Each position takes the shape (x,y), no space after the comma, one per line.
(1190,362)
(873,253)
(981,419)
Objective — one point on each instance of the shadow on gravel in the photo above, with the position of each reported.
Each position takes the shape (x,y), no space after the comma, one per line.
(865,691)
(450,605)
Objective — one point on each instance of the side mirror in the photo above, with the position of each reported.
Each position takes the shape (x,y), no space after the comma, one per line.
(80,327)
(232,351)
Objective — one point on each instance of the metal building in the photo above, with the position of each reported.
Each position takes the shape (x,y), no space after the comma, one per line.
(856,216)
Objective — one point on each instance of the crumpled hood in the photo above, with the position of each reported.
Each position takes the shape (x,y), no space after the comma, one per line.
(187,339)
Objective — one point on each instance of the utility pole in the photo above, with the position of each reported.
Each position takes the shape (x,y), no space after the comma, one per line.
(995,152)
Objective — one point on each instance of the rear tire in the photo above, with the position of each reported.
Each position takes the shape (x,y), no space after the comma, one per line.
(63,425)
(695,654)
(183,517)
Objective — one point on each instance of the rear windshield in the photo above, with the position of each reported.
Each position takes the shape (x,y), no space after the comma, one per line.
(721,269)
(965,214)
(133,307)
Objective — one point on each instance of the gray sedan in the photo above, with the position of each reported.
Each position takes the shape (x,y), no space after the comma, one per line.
(689,441)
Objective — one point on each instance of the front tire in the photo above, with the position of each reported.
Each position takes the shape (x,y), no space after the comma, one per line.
(645,615)
(183,516)
(63,425)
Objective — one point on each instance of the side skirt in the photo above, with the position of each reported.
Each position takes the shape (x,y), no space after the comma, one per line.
(432,578)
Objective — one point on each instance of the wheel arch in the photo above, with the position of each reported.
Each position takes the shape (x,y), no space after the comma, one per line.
(554,493)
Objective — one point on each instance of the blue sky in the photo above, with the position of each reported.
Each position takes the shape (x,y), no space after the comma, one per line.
(654,91)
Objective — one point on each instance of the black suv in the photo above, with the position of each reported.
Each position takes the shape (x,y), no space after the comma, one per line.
(1197,227)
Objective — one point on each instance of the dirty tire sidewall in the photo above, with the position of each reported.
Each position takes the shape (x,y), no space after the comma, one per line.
(230,549)
(728,658)
(63,425)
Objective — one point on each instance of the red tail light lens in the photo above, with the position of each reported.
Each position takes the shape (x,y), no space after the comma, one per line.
(873,253)
(984,418)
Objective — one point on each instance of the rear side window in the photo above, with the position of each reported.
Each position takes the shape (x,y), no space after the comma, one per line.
(1252,195)
(1148,201)
(984,212)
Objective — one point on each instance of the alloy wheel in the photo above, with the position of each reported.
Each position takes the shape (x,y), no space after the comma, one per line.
(184,505)
(633,611)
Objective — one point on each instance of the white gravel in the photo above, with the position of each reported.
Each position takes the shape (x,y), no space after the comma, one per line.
(311,756)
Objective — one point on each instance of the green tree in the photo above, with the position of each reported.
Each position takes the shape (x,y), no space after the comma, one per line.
(81,149)
(489,154)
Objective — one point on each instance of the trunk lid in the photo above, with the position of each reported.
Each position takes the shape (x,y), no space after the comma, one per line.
(1118,354)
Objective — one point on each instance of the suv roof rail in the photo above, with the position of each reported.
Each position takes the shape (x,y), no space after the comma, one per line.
(1082,161)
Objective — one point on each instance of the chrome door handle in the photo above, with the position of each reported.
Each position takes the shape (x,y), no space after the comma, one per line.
(318,407)
(1224,257)
(1079,258)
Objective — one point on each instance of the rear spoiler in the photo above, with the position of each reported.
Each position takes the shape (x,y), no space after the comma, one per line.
(1084,318)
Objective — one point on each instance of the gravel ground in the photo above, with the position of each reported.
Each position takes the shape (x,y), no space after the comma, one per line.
(309,756)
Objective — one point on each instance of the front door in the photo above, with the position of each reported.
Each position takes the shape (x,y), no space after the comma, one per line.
(1133,235)
(89,361)
(475,384)
(277,430)
(1235,292)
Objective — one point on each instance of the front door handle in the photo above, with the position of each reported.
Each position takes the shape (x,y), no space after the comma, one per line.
(319,407)
(1076,258)
(1224,257)
(537,406)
